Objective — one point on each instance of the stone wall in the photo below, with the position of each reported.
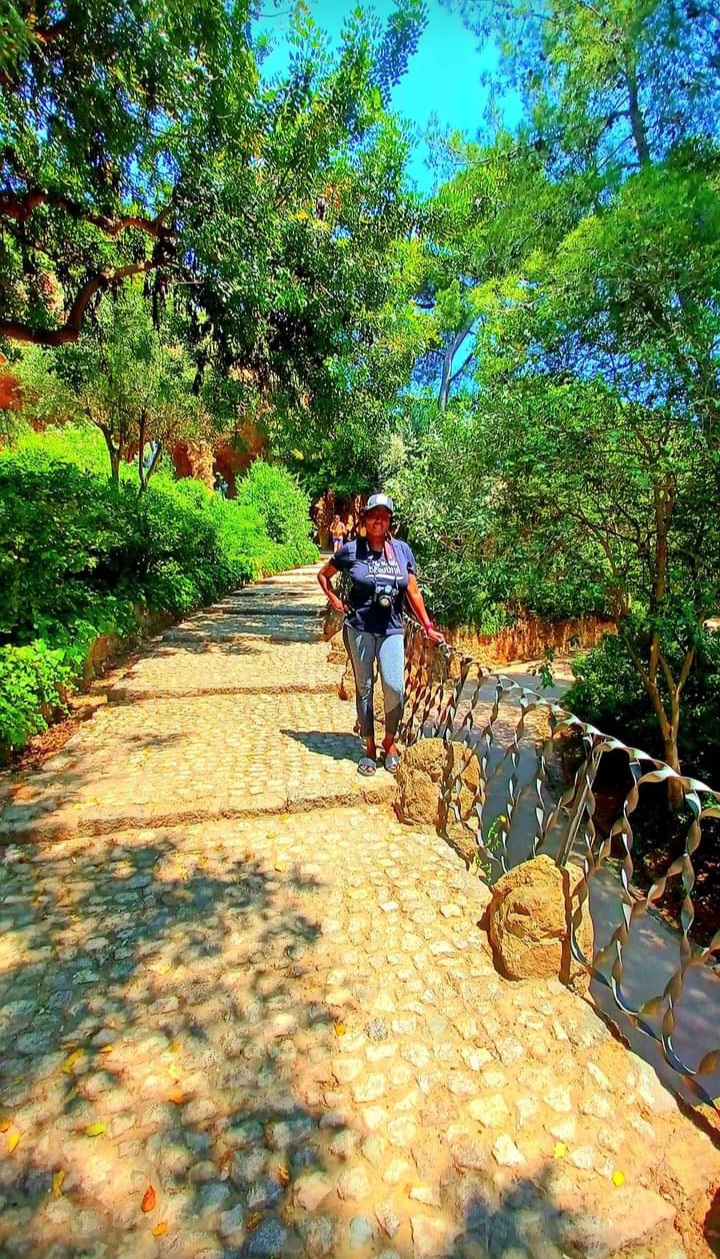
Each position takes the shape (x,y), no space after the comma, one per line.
(529,638)
(194,459)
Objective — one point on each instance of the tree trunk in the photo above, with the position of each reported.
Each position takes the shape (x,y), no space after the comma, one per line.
(141,454)
(669,726)
(637,122)
(115,453)
(152,466)
(448,361)
(675,792)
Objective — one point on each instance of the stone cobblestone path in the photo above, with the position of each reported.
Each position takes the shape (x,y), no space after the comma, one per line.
(245,1012)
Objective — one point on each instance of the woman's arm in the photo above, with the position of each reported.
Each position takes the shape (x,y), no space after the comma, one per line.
(327,572)
(417,603)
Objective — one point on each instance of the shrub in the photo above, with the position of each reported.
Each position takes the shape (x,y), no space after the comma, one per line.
(64,540)
(608,692)
(284,510)
(79,558)
(30,681)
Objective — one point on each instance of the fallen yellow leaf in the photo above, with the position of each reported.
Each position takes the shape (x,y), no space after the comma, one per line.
(177,1096)
(560,1149)
(618,1179)
(95,1129)
(72,1060)
(283,1174)
(281,866)
(253,1221)
(174,1071)
(340,1029)
(57,1183)
(5,1123)
(106,1049)
(13,1137)
(160,1229)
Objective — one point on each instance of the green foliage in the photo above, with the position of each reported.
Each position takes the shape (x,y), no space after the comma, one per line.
(79,444)
(31,679)
(578,260)
(270,209)
(606,85)
(283,508)
(440,510)
(78,559)
(607,692)
(465,520)
(134,384)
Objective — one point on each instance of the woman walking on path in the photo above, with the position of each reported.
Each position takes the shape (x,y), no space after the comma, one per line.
(382,574)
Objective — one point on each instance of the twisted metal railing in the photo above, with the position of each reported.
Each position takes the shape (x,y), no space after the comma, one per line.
(521,778)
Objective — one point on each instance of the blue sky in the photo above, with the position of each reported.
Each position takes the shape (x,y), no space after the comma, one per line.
(443,78)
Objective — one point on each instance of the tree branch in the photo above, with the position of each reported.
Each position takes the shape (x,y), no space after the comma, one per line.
(456,375)
(70,331)
(20,209)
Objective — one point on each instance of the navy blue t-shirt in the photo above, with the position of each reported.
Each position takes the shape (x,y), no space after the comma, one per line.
(368,569)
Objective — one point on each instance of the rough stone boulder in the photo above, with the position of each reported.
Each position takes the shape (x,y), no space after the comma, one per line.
(528,924)
(418,799)
(418,779)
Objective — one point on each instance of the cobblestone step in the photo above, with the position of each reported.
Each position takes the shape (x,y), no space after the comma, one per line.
(130,692)
(21,824)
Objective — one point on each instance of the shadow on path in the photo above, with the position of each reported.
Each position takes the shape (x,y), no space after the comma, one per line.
(162,1031)
(338,747)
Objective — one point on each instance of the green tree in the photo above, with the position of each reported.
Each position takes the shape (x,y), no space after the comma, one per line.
(94,103)
(608,85)
(480,226)
(137,138)
(596,368)
(123,377)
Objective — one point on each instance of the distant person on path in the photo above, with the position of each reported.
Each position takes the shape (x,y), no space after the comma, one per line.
(337,532)
(382,575)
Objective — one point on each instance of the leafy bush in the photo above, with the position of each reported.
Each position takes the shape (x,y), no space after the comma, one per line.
(80,444)
(30,682)
(283,508)
(79,559)
(608,692)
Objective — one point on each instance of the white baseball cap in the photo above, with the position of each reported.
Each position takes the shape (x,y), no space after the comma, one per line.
(380,500)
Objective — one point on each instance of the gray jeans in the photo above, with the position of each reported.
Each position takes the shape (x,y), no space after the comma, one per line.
(389,651)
